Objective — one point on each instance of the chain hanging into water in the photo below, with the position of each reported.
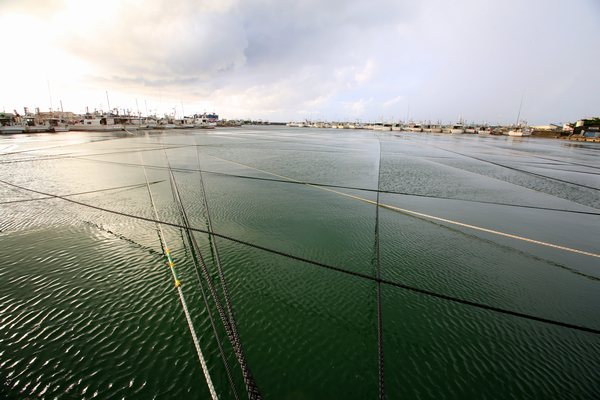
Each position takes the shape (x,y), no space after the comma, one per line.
(228,324)
(171,265)
(251,387)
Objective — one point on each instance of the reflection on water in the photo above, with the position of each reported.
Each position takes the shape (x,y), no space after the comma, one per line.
(88,309)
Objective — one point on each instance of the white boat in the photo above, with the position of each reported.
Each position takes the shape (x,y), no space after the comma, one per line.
(56,125)
(7,129)
(412,127)
(457,129)
(32,124)
(484,131)
(519,131)
(95,122)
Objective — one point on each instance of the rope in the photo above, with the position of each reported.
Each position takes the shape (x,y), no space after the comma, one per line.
(521,170)
(251,386)
(227,324)
(171,264)
(378,274)
(429,196)
(327,266)
(427,216)
(69,155)
(82,193)
(198,258)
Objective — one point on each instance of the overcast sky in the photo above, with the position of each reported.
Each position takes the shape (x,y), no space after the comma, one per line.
(318,59)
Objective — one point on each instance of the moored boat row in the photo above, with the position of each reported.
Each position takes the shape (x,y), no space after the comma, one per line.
(98,121)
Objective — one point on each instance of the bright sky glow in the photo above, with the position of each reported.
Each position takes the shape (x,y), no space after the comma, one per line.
(283,60)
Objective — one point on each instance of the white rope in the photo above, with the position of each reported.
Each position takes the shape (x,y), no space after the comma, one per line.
(418,214)
(192,330)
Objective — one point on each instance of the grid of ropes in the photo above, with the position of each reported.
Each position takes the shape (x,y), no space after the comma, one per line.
(226,313)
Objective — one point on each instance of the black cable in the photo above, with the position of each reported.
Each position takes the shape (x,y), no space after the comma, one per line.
(196,258)
(69,155)
(249,381)
(345,187)
(521,170)
(81,193)
(329,267)
(378,275)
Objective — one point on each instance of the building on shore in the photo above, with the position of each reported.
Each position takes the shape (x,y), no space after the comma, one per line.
(587,127)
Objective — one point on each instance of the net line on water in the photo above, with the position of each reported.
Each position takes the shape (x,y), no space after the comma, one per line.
(186,312)
(74,155)
(338,186)
(298,182)
(198,258)
(315,263)
(380,354)
(133,186)
(251,386)
(228,320)
(520,170)
(426,216)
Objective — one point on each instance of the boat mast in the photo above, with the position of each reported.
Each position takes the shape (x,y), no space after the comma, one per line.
(519,114)
(108,101)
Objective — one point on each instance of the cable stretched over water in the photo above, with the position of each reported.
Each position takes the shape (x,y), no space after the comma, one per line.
(197,258)
(521,170)
(329,267)
(293,182)
(251,386)
(427,216)
(82,193)
(72,156)
(228,320)
(378,292)
(171,265)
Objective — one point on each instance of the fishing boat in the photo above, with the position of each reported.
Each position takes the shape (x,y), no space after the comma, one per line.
(519,131)
(98,122)
(8,124)
(57,125)
(412,127)
(457,129)
(7,129)
(32,124)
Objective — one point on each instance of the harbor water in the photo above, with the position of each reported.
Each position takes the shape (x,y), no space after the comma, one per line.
(88,308)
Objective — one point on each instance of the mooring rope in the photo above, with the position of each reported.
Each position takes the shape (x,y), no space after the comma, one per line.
(171,265)
(328,266)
